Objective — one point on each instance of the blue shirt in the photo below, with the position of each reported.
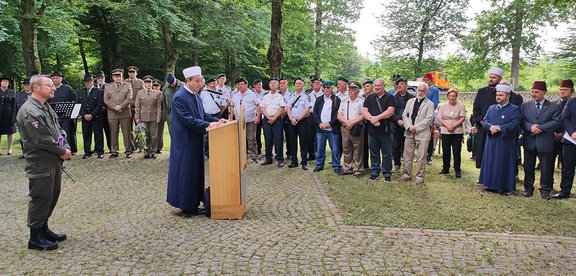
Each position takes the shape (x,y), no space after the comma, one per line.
(434,96)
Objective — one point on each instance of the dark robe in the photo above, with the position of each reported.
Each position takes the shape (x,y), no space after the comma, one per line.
(8,111)
(486,97)
(186,167)
(498,170)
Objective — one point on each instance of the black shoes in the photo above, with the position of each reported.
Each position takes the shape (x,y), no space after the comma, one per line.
(38,241)
(293,165)
(458,175)
(266,162)
(51,236)
(305,167)
(528,193)
(128,155)
(100,155)
(86,156)
(197,212)
(560,195)
(280,164)
(545,195)
(317,169)
(113,155)
(444,172)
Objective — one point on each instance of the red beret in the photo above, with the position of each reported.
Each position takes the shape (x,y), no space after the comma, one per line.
(539,85)
(567,83)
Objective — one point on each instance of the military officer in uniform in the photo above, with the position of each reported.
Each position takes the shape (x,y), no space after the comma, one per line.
(45,147)
(156,84)
(92,100)
(117,97)
(257,88)
(250,102)
(149,111)
(136,84)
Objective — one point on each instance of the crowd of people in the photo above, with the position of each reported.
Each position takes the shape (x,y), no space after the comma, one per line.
(364,125)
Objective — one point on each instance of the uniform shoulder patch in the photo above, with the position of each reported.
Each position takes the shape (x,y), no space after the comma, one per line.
(35,124)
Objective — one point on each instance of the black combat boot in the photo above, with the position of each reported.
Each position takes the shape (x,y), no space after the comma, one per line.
(51,236)
(37,240)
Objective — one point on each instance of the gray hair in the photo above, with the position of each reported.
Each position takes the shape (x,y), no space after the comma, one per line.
(425,85)
(381,80)
(37,79)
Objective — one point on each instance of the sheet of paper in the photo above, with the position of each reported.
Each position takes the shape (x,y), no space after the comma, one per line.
(568,138)
(75,111)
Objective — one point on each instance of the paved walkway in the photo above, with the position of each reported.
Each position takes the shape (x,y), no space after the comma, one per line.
(118,222)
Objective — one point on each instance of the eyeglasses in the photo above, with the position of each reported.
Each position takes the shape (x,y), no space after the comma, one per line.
(49,85)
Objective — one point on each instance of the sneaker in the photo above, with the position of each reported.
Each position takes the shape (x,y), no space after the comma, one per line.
(396,169)
(387,179)
(374,177)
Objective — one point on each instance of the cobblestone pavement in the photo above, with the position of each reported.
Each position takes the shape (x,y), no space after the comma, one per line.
(118,222)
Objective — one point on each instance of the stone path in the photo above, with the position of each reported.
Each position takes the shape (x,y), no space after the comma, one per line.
(118,222)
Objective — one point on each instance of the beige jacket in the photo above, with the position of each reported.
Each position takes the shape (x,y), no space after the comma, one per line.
(423,119)
(148,105)
(122,96)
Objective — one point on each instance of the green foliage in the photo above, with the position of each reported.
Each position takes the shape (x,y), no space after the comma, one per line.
(568,51)
(415,28)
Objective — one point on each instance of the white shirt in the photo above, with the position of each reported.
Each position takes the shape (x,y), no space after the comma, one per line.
(272,102)
(326,113)
(351,109)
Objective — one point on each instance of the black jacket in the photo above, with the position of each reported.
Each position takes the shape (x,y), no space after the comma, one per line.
(317,112)
(90,104)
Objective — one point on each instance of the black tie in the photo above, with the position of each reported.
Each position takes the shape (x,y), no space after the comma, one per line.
(537,107)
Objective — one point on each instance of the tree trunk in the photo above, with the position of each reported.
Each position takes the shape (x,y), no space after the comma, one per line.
(317,29)
(231,70)
(418,65)
(83,55)
(29,34)
(275,53)
(170,52)
(516,41)
(195,52)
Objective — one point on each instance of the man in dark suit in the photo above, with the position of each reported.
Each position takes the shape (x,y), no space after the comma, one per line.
(325,118)
(92,100)
(540,117)
(565,93)
(568,143)
(65,93)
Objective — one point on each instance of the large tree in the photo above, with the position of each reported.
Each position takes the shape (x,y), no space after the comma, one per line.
(512,27)
(275,52)
(29,19)
(416,27)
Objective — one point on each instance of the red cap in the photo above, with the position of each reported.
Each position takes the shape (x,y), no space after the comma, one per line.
(428,76)
(567,83)
(539,85)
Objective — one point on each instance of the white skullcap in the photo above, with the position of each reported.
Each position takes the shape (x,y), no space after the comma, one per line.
(503,88)
(192,71)
(497,71)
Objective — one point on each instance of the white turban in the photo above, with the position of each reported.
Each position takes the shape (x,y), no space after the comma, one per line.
(503,88)
(192,71)
(497,71)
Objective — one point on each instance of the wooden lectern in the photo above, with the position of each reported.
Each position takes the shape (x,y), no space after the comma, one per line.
(228,160)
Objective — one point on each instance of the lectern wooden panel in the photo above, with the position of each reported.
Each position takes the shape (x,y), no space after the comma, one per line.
(227,146)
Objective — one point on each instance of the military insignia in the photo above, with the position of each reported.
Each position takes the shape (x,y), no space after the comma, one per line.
(35,124)
(503,116)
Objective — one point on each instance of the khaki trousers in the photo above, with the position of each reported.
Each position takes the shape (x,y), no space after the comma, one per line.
(421,148)
(251,140)
(353,151)
(126,124)
(153,136)
(160,136)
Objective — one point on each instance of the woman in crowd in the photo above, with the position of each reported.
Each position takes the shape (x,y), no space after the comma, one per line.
(451,116)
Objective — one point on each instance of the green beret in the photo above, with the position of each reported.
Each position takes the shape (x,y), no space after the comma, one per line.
(328,83)
(343,79)
(368,82)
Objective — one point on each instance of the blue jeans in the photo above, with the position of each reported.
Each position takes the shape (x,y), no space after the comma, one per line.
(273,137)
(333,141)
(380,143)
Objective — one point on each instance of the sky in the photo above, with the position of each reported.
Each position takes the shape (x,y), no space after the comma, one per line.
(367,28)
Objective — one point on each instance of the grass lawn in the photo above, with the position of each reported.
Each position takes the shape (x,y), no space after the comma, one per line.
(447,203)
